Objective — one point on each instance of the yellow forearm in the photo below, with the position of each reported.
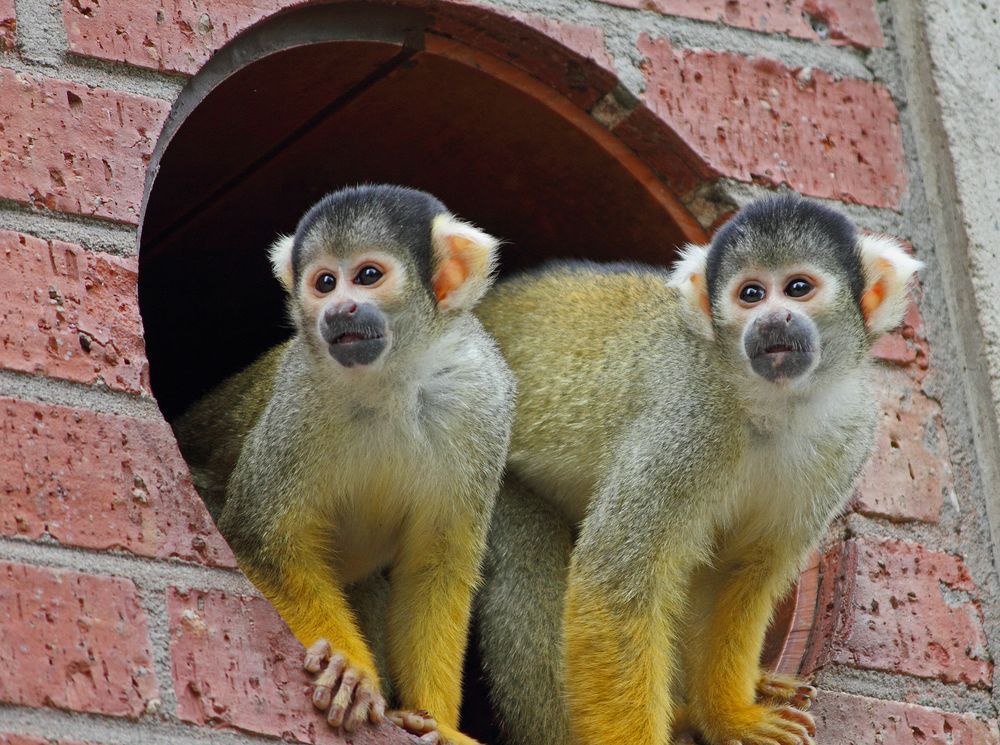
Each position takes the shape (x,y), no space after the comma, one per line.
(617,671)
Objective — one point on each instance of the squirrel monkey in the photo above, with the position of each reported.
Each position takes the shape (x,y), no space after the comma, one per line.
(372,441)
(681,442)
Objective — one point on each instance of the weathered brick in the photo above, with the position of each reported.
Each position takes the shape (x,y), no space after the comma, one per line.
(899,607)
(753,119)
(855,720)
(100,481)
(68,313)
(236,664)
(907,345)
(68,147)
(180,37)
(76,642)
(163,35)
(8,26)
(909,473)
(11,739)
(837,21)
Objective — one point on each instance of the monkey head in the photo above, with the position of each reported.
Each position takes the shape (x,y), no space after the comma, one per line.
(791,294)
(371,270)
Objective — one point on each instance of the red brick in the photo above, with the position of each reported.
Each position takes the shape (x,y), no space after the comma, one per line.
(909,472)
(180,37)
(100,481)
(8,26)
(856,720)
(10,739)
(899,607)
(236,665)
(77,642)
(70,314)
(753,119)
(847,21)
(907,345)
(164,35)
(67,147)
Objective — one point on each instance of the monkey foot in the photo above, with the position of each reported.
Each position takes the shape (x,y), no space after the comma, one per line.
(348,694)
(419,723)
(785,689)
(762,725)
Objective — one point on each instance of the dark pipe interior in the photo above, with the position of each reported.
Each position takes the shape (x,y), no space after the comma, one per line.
(278,134)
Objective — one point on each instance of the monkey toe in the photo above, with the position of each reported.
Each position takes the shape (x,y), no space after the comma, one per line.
(785,689)
(763,725)
(415,722)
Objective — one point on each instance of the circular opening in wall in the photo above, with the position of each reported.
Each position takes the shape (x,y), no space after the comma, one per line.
(319,98)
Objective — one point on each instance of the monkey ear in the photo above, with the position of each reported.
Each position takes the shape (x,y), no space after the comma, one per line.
(888,272)
(465,259)
(688,276)
(280,254)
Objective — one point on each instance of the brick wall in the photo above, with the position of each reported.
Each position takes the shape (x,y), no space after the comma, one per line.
(122,616)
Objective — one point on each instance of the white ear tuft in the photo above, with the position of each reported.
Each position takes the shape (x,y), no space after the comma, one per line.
(688,276)
(888,271)
(465,259)
(280,254)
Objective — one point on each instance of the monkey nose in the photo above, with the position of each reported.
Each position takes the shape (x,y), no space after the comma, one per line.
(347,308)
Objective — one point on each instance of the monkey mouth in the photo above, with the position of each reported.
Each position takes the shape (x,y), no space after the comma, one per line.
(779,349)
(352,337)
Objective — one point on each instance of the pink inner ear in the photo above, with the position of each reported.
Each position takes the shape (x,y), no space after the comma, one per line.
(702,296)
(875,295)
(453,270)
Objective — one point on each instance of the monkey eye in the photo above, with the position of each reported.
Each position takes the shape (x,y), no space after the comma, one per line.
(798,287)
(751,293)
(368,275)
(325,283)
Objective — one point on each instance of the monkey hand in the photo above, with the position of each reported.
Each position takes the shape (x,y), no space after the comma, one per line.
(785,689)
(760,724)
(349,694)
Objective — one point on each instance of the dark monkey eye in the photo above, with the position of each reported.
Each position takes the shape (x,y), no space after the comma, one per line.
(368,275)
(798,287)
(325,282)
(752,293)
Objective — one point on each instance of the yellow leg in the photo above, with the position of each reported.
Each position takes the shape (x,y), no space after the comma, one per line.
(315,607)
(725,669)
(618,667)
(429,608)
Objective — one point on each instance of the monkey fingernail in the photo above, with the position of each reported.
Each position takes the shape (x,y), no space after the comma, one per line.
(335,716)
(321,697)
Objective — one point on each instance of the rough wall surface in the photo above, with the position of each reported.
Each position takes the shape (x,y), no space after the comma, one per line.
(122,616)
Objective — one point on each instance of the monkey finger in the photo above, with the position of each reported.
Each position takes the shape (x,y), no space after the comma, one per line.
(343,697)
(434,737)
(377,711)
(326,681)
(361,706)
(317,655)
